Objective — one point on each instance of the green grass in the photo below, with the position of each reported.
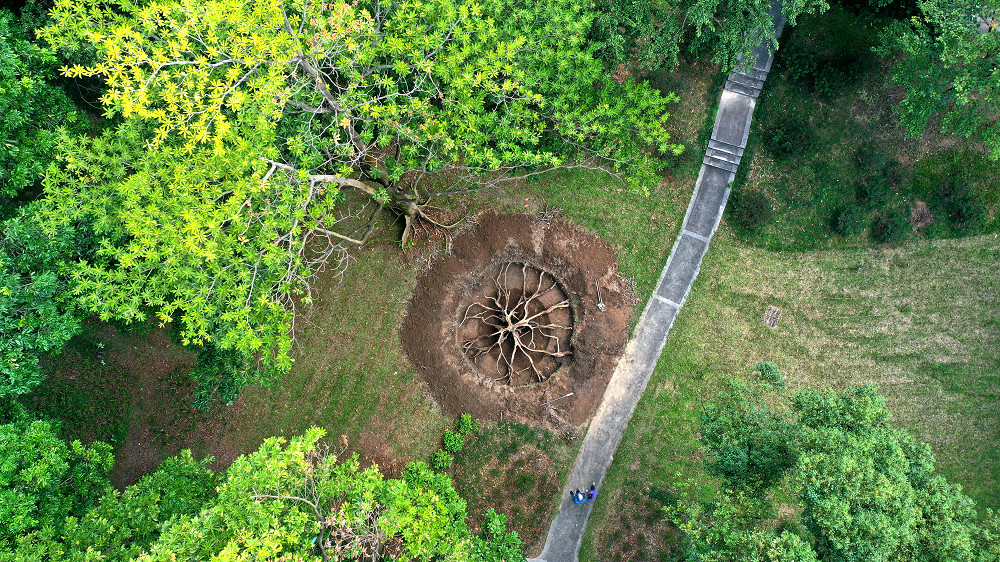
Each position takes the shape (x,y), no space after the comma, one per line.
(88,405)
(520,471)
(919,321)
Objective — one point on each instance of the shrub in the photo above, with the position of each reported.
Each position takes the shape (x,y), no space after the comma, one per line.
(751,210)
(525,482)
(791,137)
(892,225)
(442,460)
(872,193)
(453,442)
(849,221)
(465,425)
(959,201)
(770,372)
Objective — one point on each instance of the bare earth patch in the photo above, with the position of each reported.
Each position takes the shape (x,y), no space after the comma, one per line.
(522,311)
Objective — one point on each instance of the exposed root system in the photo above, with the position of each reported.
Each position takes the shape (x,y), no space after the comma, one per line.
(523,324)
(524,320)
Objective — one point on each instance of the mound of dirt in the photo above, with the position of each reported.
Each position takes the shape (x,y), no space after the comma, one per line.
(522,311)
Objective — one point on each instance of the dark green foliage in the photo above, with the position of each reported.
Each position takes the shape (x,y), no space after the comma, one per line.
(878,176)
(863,490)
(750,210)
(827,65)
(33,108)
(222,373)
(629,31)
(791,137)
(254,511)
(124,524)
(44,479)
(960,189)
(959,201)
(849,220)
(770,373)
(948,67)
(751,447)
(37,312)
(892,225)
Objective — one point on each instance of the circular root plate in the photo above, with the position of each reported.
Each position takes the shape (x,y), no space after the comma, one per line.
(437,325)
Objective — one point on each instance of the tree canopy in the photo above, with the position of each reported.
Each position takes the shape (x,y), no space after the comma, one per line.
(290,499)
(257,140)
(946,60)
(651,33)
(34,107)
(860,489)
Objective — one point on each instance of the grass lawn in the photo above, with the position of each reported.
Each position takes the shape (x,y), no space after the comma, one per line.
(920,321)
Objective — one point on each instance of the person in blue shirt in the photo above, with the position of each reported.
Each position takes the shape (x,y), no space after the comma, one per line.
(578,496)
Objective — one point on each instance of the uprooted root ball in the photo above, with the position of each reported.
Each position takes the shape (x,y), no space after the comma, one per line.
(519,325)
(524,320)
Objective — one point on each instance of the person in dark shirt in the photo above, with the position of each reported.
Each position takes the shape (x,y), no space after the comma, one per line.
(592,494)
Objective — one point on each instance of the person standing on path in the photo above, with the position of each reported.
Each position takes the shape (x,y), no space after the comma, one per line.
(592,495)
(578,496)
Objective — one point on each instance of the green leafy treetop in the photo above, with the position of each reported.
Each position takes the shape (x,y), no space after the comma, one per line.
(33,108)
(946,59)
(289,500)
(652,33)
(260,139)
(860,489)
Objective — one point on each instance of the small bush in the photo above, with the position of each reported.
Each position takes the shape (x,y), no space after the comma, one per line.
(770,373)
(872,192)
(453,442)
(959,201)
(849,221)
(442,460)
(792,137)
(525,482)
(892,225)
(465,425)
(751,210)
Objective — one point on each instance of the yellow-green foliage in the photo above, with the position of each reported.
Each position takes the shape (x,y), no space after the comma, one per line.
(243,125)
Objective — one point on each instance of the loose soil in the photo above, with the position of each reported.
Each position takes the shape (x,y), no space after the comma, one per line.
(432,333)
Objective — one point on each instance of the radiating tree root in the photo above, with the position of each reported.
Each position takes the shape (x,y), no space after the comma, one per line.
(516,328)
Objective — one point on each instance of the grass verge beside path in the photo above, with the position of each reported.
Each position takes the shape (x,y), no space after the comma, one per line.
(920,321)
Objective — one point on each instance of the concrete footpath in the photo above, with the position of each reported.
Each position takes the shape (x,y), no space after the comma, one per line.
(729,138)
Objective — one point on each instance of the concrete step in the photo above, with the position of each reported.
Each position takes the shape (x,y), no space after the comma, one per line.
(719,163)
(747,80)
(723,155)
(742,89)
(725,147)
(755,73)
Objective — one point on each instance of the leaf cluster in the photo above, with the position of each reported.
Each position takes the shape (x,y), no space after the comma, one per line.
(288,500)
(863,489)
(34,108)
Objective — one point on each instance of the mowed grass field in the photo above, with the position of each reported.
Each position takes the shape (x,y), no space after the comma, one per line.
(920,321)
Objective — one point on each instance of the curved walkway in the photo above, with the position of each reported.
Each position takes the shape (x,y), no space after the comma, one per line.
(729,138)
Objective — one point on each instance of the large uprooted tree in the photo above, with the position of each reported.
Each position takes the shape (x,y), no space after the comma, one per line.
(258,139)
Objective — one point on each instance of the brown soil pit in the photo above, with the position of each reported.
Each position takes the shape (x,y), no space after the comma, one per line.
(522,311)
(519,326)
